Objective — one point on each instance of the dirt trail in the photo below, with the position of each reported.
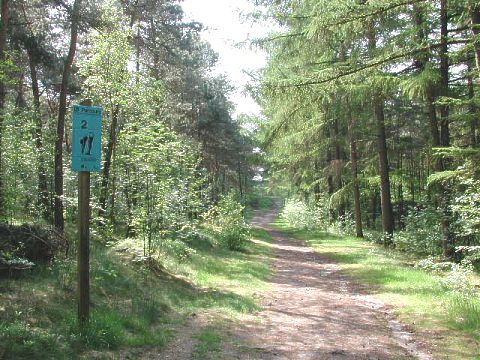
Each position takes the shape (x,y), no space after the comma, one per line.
(313,312)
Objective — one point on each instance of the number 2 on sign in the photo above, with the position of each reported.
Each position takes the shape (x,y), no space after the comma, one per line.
(84,124)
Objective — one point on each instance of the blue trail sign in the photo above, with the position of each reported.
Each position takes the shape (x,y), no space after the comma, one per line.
(87,138)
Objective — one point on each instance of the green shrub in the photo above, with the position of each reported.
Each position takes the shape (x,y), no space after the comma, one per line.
(422,234)
(465,206)
(298,214)
(464,311)
(227,222)
(343,226)
(177,249)
(20,341)
(104,331)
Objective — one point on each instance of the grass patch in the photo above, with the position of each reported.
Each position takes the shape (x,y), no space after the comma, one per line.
(208,346)
(419,297)
(133,305)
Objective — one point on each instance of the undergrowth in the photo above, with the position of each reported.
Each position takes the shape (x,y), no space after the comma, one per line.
(134,300)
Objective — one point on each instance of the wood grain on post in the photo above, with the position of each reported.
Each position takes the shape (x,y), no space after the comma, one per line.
(84,243)
(84,247)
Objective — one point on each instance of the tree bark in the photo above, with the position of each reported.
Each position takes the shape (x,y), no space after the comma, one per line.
(239,174)
(444,110)
(475,19)
(448,242)
(3,43)
(107,163)
(379,113)
(385,196)
(432,117)
(338,167)
(354,162)
(421,61)
(59,220)
(472,109)
(316,188)
(42,185)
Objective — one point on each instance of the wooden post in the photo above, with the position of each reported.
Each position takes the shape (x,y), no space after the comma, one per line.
(84,247)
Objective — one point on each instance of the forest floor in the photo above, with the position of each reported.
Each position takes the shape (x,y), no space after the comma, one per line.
(312,310)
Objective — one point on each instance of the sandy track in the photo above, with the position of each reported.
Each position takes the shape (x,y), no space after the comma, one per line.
(313,311)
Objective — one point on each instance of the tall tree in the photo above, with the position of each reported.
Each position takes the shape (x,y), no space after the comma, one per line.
(3,44)
(59,220)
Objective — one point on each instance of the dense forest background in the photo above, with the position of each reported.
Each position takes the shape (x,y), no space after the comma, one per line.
(374,118)
(171,147)
(370,120)
(370,127)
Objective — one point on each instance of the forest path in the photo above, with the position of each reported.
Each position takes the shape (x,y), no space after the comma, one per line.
(312,311)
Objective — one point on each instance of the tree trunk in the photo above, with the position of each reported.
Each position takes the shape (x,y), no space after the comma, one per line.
(401,200)
(330,186)
(316,188)
(59,220)
(43,196)
(432,117)
(338,167)
(3,44)
(444,110)
(353,159)
(374,204)
(448,242)
(420,62)
(107,163)
(239,173)
(385,196)
(472,109)
(379,113)
(475,19)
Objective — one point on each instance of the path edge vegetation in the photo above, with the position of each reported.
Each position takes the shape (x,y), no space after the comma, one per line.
(137,302)
(443,319)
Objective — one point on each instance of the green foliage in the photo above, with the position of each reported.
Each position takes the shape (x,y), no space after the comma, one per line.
(177,249)
(298,214)
(208,345)
(21,341)
(104,331)
(226,220)
(422,234)
(416,87)
(344,225)
(469,253)
(466,205)
(464,312)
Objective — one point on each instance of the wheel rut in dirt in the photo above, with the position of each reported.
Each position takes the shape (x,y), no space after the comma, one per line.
(313,311)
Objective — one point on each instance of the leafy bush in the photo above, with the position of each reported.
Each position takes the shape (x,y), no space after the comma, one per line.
(434,265)
(373,236)
(21,341)
(298,214)
(470,253)
(192,236)
(177,249)
(345,225)
(227,223)
(455,277)
(466,205)
(34,243)
(459,279)
(422,234)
